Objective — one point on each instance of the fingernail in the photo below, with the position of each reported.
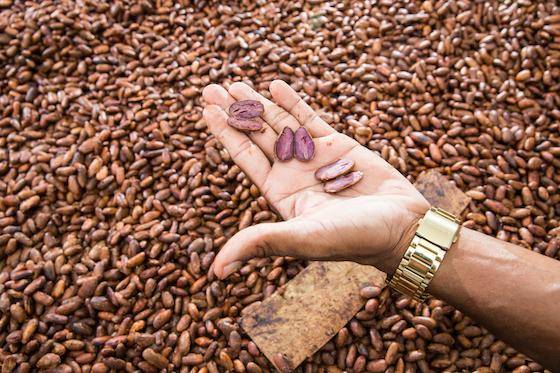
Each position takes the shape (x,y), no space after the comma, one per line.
(230,268)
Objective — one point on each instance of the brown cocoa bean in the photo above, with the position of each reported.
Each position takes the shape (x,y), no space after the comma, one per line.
(376,366)
(49,360)
(115,198)
(281,363)
(154,358)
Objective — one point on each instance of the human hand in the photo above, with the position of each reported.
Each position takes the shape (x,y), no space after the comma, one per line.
(371,222)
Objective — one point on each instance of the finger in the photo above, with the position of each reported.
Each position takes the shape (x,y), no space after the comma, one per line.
(274,115)
(265,139)
(243,151)
(262,240)
(289,99)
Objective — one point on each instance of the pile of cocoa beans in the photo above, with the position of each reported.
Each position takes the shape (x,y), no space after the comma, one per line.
(115,198)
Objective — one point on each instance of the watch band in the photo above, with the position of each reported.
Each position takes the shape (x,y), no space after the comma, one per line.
(435,234)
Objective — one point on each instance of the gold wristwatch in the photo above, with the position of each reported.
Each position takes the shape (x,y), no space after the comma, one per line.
(435,234)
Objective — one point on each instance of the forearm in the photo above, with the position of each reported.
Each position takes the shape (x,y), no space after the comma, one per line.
(513,292)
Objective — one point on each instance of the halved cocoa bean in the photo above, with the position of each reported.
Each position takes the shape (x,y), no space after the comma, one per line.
(246,109)
(303,145)
(245,124)
(334,169)
(343,182)
(284,147)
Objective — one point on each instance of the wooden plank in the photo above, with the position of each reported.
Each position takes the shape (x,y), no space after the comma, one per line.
(442,193)
(313,307)
(291,325)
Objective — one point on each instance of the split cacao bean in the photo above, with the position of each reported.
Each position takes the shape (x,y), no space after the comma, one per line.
(284,146)
(246,109)
(249,125)
(334,169)
(342,182)
(304,147)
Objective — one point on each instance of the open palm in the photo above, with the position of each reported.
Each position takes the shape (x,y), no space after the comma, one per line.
(364,223)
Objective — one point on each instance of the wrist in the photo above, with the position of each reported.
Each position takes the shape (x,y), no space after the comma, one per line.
(408,224)
(434,236)
(402,245)
(396,254)
(387,230)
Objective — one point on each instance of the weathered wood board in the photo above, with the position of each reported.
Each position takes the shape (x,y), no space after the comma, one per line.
(291,325)
(442,193)
(313,307)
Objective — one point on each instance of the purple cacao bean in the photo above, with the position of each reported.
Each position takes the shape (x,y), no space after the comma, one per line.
(343,182)
(303,145)
(245,124)
(284,147)
(246,109)
(334,169)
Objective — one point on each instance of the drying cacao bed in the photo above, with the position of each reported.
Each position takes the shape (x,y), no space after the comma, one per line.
(115,198)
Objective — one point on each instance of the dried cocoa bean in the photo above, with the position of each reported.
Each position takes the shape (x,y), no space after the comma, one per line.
(114,198)
(154,358)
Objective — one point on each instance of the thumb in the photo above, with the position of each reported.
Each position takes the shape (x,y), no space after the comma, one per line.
(262,240)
